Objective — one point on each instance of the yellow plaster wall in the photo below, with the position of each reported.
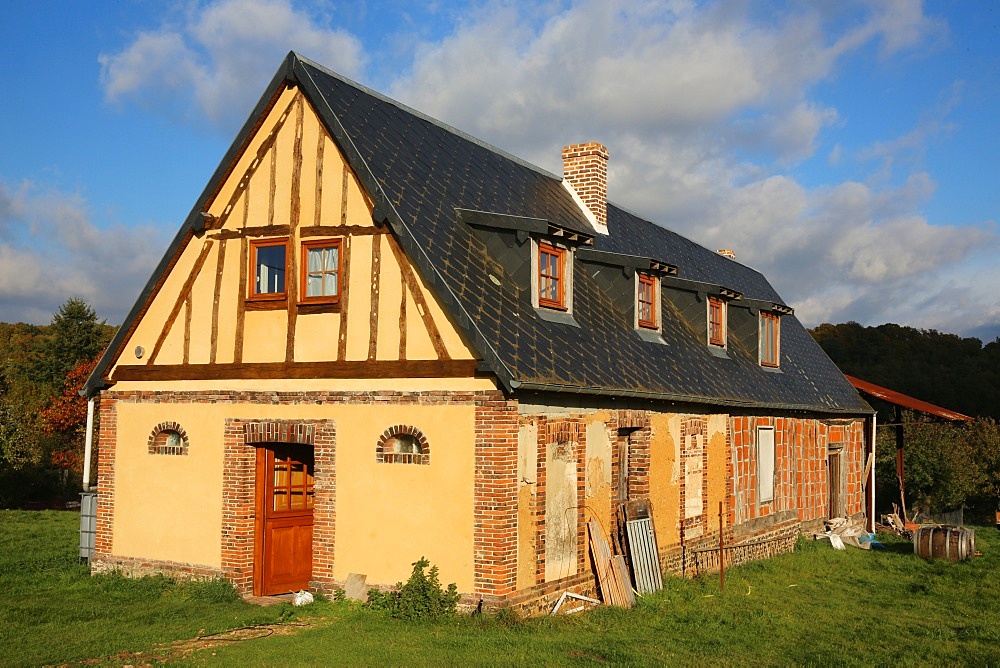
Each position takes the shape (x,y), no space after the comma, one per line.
(168,507)
(229,294)
(360,300)
(717,479)
(664,476)
(388,515)
(597,487)
(264,336)
(527,476)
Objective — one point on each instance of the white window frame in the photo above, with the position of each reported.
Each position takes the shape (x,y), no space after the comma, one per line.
(567,270)
(725,322)
(766,465)
(761,342)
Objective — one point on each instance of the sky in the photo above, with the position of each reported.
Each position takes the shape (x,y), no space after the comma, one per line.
(849,150)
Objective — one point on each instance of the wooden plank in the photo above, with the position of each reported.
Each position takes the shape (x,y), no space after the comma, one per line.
(219,266)
(291,282)
(186,357)
(373,315)
(320,146)
(259,231)
(273,186)
(343,194)
(402,318)
(418,297)
(241,299)
(299,370)
(340,230)
(185,291)
(345,267)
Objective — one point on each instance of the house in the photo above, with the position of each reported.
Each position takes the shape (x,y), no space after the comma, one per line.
(377,338)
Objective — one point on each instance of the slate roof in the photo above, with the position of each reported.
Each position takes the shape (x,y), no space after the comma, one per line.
(421,174)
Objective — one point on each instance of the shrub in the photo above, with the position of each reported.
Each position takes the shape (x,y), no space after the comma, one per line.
(421,597)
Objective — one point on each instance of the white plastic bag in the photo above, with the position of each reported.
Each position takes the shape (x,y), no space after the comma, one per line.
(302,598)
(836,542)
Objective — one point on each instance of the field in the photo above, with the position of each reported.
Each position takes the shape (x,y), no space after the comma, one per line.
(815,606)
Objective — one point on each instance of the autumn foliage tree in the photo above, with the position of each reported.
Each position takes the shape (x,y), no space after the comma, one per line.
(65,419)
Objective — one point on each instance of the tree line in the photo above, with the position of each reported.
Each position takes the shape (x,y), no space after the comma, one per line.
(42,415)
(947,465)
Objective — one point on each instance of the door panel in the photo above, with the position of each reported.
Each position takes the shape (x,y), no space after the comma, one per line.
(288,517)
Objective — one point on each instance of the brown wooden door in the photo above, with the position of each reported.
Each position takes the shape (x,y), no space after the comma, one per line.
(286,481)
(833,485)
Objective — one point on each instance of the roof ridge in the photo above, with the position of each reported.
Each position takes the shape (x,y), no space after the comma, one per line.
(425,117)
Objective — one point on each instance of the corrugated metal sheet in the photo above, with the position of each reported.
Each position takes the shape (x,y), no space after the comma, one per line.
(645,555)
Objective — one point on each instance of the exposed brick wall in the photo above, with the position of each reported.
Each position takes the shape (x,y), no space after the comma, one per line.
(495,534)
(106,444)
(802,479)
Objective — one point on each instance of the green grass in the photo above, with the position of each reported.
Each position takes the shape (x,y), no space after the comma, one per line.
(815,606)
(53,611)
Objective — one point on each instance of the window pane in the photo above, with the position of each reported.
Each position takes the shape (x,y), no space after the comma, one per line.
(314,285)
(330,285)
(315,259)
(270,273)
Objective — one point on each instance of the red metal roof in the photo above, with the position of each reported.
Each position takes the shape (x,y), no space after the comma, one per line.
(900,399)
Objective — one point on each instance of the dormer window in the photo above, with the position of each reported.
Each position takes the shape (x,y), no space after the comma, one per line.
(716,322)
(769,339)
(553,276)
(646,297)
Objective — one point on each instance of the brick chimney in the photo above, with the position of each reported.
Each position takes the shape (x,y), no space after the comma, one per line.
(585,167)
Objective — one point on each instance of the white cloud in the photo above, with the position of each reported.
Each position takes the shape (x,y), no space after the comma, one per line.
(217,61)
(703,108)
(52,251)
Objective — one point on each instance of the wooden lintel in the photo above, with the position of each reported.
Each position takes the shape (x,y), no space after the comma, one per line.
(340,230)
(298,370)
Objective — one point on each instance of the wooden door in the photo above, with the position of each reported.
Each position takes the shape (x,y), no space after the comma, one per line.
(833,485)
(285,488)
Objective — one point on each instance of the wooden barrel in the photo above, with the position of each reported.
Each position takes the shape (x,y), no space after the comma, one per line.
(944,542)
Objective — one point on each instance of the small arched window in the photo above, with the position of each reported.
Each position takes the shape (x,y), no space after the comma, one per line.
(402,444)
(168,438)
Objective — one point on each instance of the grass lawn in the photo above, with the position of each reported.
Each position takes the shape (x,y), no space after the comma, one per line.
(815,606)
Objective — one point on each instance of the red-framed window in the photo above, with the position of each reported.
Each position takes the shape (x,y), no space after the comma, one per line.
(716,321)
(321,275)
(551,276)
(769,337)
(269,268)
(646,301)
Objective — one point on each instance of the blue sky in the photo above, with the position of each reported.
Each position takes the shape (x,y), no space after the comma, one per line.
(849,150)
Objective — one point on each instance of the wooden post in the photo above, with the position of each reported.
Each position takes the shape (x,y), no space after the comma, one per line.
(722,554)
(900,472)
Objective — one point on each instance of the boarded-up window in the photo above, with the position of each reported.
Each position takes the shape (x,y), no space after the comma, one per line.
(693,476)
(560,511)
(765,464)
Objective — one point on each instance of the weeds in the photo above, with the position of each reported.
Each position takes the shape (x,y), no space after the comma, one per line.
(420,598)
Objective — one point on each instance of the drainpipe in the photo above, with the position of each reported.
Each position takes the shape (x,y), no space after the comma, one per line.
(88,447)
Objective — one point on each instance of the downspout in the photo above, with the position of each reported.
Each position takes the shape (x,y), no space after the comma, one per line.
(88,447)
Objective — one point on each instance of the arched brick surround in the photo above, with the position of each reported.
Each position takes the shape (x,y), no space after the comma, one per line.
(241,439)
(156,447)
(384,457)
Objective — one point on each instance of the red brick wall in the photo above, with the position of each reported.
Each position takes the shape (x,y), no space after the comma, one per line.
(495,535)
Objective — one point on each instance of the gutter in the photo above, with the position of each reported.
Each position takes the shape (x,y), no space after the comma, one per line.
(663,396)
